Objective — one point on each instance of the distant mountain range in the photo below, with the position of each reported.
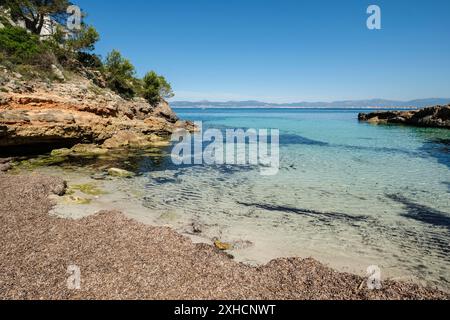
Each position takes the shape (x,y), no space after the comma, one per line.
(372,103)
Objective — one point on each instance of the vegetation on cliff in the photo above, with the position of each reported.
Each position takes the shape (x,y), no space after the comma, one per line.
(55,92)
(26,50)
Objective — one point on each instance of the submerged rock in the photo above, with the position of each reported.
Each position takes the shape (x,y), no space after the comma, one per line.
(242,244)
(437,117)
(196,227)
(88,150)
(61,152)
(99,176)
(5,167)
(132,139)
(223,246)
(169,216)
(5,160)
(88,188)
(80,150)
(116,172)
(5,164)
(41,162)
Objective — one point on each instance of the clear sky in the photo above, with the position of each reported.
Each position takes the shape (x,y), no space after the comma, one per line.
(282,50)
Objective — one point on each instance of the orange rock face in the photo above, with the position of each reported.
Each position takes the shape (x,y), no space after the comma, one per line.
(77,111)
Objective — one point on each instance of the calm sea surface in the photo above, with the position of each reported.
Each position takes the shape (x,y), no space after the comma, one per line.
(350,194)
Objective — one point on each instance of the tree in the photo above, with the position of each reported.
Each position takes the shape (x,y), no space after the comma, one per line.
(34,12)
(84,39)
(120,74)
(155,88)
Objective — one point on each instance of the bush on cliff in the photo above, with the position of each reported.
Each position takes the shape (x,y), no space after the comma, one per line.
(155,88)
(23,50)
(72,49)
(90,60)
(25,46)
(20,47)
(120,74)
(83,40)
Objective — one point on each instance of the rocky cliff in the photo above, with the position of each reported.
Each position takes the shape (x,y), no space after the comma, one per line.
(75,110)
(437,117)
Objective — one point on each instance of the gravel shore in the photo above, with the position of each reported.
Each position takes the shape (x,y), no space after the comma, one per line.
(122,259)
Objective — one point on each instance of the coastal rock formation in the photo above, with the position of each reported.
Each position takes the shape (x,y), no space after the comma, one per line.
(5,164)
(77,111)
(438,117)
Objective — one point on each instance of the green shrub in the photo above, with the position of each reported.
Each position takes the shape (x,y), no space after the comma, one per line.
(83,40)
(3,20)
(155,88)
(73,49)
(120,74)
(19,46)
(90,60)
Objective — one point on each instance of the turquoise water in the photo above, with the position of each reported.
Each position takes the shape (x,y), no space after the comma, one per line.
(349,194)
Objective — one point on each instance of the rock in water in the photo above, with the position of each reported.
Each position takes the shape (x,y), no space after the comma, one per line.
(88,150)
(131,139)
(5,167)
(436,117)
(116,172)
(222,245)
(61,152)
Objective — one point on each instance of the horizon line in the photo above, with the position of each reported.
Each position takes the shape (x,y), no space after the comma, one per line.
(220,101)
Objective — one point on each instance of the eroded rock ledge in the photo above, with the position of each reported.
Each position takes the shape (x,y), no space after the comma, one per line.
(76,111)
(436,117)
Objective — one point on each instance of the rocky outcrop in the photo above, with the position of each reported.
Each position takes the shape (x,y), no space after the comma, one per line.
(437,117)
(131,139)
(5,164)
(77,111)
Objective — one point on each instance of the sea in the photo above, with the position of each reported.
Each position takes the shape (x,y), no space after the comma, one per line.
(350,194)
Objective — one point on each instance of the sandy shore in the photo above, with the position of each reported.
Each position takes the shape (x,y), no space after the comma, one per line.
(120,258)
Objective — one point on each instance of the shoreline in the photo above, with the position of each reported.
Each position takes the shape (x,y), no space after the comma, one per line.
(121,258)
(247,238)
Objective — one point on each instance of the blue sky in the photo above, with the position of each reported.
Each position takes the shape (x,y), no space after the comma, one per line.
(282,50)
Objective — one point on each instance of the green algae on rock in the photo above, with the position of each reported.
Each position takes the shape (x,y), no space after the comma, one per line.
(88,188)
(222,246)
(32,164)
(61,152)
(131,139)
(88,149)
(116,172)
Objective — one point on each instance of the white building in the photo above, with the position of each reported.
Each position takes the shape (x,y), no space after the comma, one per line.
(48,29)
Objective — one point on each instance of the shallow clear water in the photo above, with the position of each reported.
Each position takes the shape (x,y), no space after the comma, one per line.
(350,194)
(378,194)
